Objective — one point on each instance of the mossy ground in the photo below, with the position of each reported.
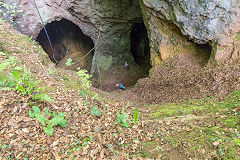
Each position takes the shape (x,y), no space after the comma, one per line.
(237,36)
(212,136)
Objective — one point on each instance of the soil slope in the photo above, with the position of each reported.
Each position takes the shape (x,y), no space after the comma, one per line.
(196,129)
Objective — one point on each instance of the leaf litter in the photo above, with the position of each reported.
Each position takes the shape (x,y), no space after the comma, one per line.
(87,136)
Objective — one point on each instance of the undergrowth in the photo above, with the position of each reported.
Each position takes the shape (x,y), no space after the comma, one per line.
(48,123)
(13,76)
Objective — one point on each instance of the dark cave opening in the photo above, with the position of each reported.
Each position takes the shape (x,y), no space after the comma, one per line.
(68,41)
(140,46)
(129,73)
(204,53)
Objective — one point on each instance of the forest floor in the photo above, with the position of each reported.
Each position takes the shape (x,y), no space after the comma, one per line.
(177,119)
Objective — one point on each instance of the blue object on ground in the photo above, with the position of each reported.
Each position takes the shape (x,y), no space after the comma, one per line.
(120,86)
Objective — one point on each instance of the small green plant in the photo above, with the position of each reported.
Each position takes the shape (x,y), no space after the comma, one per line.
(237,141)
(123,119)
(1,20)
(10,10)
(83,93)
(95,111)
(24,82)
(50,71)
(69,62)
(5,146)
(86,83)
(20,79)
(57,119)
(135,116)
(79,145)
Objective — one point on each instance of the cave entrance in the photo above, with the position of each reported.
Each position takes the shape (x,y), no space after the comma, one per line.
(69,45)
(204,52)
(140,46)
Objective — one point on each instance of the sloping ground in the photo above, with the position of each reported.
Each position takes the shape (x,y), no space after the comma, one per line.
(180,80)
(197,129)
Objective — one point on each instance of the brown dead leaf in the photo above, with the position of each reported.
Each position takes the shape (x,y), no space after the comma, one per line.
(101,154)
(188,129)
(57,157)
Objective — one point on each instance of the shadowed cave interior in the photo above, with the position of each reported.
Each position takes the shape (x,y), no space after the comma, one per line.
(68,41)
(140,52)
(140,46)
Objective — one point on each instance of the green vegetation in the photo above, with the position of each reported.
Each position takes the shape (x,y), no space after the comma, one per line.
(176,110)
(86,83)
(237,36)
(69,62)
(95,111)
(123,119)
(9,11)
(218,132)
(56,119)
(79,145)
(237,141)
(5,146)
(14,76)
(136,116)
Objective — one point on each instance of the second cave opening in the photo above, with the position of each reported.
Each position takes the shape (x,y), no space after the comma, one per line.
(140,45)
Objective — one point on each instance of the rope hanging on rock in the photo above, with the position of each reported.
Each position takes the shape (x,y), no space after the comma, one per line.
(45,29)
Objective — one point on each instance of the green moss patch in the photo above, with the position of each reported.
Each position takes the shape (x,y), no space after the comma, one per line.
(175,110)
(213,137)
(237,36)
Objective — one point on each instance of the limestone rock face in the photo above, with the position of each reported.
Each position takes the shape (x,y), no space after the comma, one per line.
(203,30)
(172,23)
(107,22)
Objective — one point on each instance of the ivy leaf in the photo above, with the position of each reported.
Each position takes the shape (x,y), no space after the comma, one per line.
(47,112)
(62,114)
(123,119)
(69,62)
(63,123)
(18,68)
(36,109)
(50,71)
(31,114)
(43,97)
(41,118)
(237,141)
(48,130)
(95,111)
(59,120)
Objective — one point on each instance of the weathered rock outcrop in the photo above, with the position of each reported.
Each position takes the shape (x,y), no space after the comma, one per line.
(107,22)
(205,30)
(172,23)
